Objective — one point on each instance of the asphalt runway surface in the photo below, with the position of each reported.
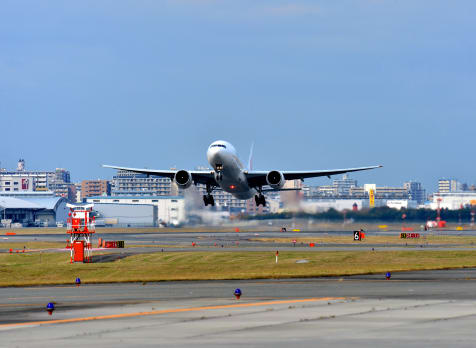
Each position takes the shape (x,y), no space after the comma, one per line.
(427,308)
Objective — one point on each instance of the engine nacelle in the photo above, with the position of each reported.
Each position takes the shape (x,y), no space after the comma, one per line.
(275,179)
(183,179)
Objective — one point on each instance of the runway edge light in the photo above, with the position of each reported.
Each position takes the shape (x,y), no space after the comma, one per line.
(238,293)
(50,307)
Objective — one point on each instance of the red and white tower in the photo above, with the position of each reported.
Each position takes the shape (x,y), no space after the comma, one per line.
(81,226)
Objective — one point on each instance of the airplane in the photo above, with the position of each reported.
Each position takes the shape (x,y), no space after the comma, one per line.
(231,176)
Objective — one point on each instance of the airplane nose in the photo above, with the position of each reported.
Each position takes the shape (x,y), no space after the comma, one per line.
(213,156)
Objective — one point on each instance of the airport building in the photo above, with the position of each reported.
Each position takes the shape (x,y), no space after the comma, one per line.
(321,205)
(453,200)
(32,209)
(125,210)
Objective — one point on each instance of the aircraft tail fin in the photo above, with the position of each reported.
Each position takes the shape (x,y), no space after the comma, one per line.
(250,159)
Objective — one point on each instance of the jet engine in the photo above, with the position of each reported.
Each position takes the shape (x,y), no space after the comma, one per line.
(275,179)
(183,179)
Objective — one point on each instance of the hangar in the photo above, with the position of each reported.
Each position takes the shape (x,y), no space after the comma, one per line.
(139,210)
(32,211)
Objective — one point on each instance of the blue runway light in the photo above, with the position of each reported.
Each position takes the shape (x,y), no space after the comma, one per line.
(388,275)
(78,281)
(50,307)
(237,293)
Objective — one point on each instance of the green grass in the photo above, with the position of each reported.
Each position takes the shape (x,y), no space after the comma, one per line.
(54,268)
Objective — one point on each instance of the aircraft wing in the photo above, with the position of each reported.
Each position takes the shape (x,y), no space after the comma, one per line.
(198,176)
(258,178)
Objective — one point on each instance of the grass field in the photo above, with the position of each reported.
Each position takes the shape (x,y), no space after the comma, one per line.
(393,240)
(32,245)
(54,268)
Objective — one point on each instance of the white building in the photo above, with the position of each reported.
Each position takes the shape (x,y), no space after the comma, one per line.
(321,205)
(17,182)
(401,203)
(453,200)
(170,209)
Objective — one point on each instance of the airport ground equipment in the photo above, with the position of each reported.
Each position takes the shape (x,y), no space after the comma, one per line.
(81,227)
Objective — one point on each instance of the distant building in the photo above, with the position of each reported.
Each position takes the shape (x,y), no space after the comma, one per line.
(21,165)
(343,186)
(16,182)
(28,180)
(391,193)
(90,188)
(77,185)
(449,185)
(62,185)
(338,188)
(62,175)
(126,183)
(37,180)
(415,191)
(348,189)
(401,203)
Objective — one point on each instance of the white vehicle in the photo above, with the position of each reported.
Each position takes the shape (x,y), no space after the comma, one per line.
(231,176)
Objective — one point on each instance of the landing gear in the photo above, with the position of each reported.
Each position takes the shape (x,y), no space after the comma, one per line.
(218,169)
(208,199)
(260,200)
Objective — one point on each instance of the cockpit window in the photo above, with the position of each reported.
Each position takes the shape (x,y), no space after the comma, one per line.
(218,145)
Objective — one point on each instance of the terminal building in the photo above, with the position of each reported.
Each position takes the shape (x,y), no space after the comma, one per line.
(125,211)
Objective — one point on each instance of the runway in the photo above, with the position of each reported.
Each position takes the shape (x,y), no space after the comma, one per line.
(436,308)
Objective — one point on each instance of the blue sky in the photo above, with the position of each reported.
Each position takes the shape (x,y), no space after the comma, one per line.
(315,84)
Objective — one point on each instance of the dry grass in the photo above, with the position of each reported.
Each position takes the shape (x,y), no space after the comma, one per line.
(394,240)
(54,268)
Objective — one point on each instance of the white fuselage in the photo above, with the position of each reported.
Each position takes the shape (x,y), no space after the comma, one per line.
(229,171)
